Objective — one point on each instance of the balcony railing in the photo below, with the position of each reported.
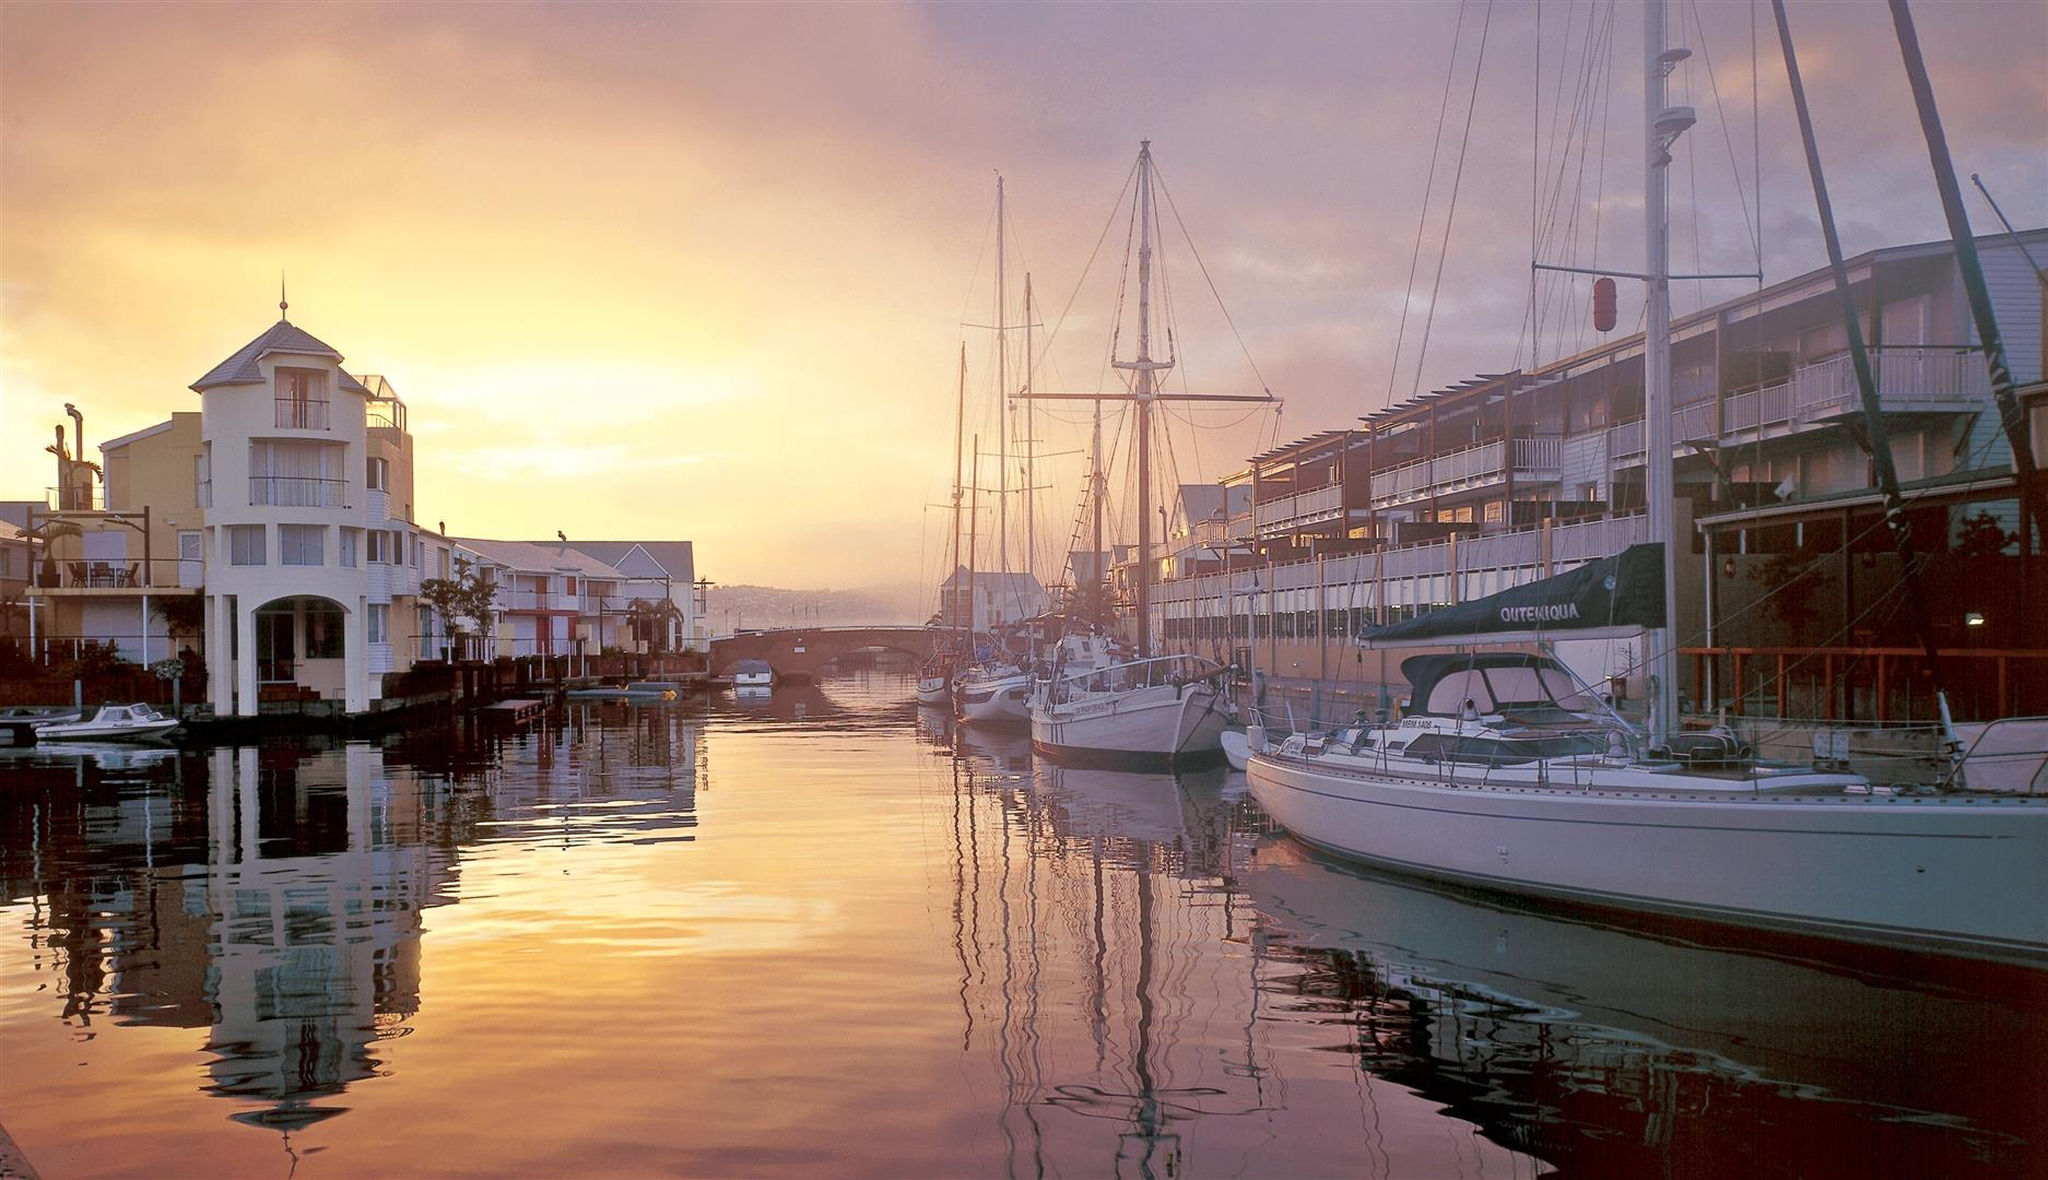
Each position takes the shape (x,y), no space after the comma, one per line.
(1907,378)
(1317,504)
(388,413)
(1534,458)
(79,497)
(160,573)
(301,414)
(297,491)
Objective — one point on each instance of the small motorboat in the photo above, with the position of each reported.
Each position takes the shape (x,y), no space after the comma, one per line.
(637,692)
(752,674)
(110,723)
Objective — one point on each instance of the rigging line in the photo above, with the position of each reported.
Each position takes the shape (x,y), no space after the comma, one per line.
(1721,113)
(1422,221)
(1606,68)
(1451,214)
(1596,83)
(973,276)
(1581,103)
(1045,347)
(1692,197)
(1577,132)
(1207,278)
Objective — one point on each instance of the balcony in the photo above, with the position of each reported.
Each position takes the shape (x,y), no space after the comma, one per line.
(1299,510)
(1909,380)
(539,600)
(301,414)
(385,413)
(296,491)
(127,574)
(1535,459)
(79,497)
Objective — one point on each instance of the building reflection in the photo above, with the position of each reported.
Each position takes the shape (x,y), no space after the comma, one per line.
(1208,957)
(275,896)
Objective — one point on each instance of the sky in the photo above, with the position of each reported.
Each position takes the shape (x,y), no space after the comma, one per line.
(705,272)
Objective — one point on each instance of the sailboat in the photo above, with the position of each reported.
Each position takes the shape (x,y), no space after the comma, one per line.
(1154,712)
(1507,774)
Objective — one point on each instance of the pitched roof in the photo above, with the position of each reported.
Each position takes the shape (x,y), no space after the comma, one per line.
(675,558)
(282,336)
(536,556)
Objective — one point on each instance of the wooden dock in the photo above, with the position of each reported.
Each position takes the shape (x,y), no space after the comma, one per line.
(514,713)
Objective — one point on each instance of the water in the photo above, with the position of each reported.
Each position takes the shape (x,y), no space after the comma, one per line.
(818,933)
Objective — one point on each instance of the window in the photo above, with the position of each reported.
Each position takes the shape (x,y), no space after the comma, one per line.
(245,544)
(418,548)
(202,470)
(379,620)
(378,476)
(302,544)
(350,542)
(296,475)
(383,550)
(301,399)
(324,630)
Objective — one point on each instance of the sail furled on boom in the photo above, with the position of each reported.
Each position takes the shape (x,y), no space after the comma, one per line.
(1614,596)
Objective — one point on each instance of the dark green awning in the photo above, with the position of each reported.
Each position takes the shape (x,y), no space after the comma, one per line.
(1619,594)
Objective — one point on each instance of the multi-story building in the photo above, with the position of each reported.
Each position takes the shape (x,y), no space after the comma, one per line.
(1784,562)
(991,599)
(271,534)
(659,572)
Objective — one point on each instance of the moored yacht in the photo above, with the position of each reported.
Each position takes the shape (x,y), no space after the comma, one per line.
(1167,712)
(1508,775)
(110,723)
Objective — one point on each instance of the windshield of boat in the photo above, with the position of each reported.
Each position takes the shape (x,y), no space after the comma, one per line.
(1500,689)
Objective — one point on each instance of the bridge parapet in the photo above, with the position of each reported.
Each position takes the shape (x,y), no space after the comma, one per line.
(801,653)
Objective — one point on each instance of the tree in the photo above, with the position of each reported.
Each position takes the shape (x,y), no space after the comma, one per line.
(649,618)
(1982,536)
(183,615)
(466,596)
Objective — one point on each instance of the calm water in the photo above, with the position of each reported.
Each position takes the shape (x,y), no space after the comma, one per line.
(818,934)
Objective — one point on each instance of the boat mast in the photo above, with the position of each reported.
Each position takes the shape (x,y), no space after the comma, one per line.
(1100,561)
(973,510)
(1002,394)
(959,424)
(1144,366)
(1030,442)
(1660,128)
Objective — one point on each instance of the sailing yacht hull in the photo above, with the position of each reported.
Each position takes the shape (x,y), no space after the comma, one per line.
(1162,727)
(934,690)
(1961,876)
(1004,701)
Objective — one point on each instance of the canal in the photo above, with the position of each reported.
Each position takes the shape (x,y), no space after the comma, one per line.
(818,932)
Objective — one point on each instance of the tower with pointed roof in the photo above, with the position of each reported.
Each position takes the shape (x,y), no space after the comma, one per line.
(307,557)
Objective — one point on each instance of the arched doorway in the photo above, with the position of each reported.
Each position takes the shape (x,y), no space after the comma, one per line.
(301,649)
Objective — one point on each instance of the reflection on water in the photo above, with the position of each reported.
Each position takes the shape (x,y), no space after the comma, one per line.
(825,930)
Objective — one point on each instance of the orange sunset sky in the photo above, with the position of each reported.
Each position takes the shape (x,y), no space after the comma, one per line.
(700,271)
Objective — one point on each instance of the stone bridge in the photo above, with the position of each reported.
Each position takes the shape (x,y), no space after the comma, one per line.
(800,653)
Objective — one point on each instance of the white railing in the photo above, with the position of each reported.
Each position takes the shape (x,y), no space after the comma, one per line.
(1321,501)
(1522,550)
(1537,458)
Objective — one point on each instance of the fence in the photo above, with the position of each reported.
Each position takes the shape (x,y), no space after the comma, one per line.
(165,573)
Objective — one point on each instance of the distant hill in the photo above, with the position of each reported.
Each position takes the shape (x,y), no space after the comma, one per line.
(733,607)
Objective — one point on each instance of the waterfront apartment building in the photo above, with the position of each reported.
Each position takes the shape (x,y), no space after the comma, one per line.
(1787,583)
(271,535)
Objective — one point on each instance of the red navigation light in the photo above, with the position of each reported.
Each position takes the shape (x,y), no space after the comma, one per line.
(1603,305)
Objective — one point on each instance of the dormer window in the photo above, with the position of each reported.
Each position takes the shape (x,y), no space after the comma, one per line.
(301,399)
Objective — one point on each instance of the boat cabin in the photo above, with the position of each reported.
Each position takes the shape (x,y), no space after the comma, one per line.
(1492,685)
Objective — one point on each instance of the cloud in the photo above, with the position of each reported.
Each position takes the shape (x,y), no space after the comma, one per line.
(701,270)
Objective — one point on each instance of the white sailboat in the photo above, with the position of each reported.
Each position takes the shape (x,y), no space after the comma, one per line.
(1507,775)
(1154,712)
